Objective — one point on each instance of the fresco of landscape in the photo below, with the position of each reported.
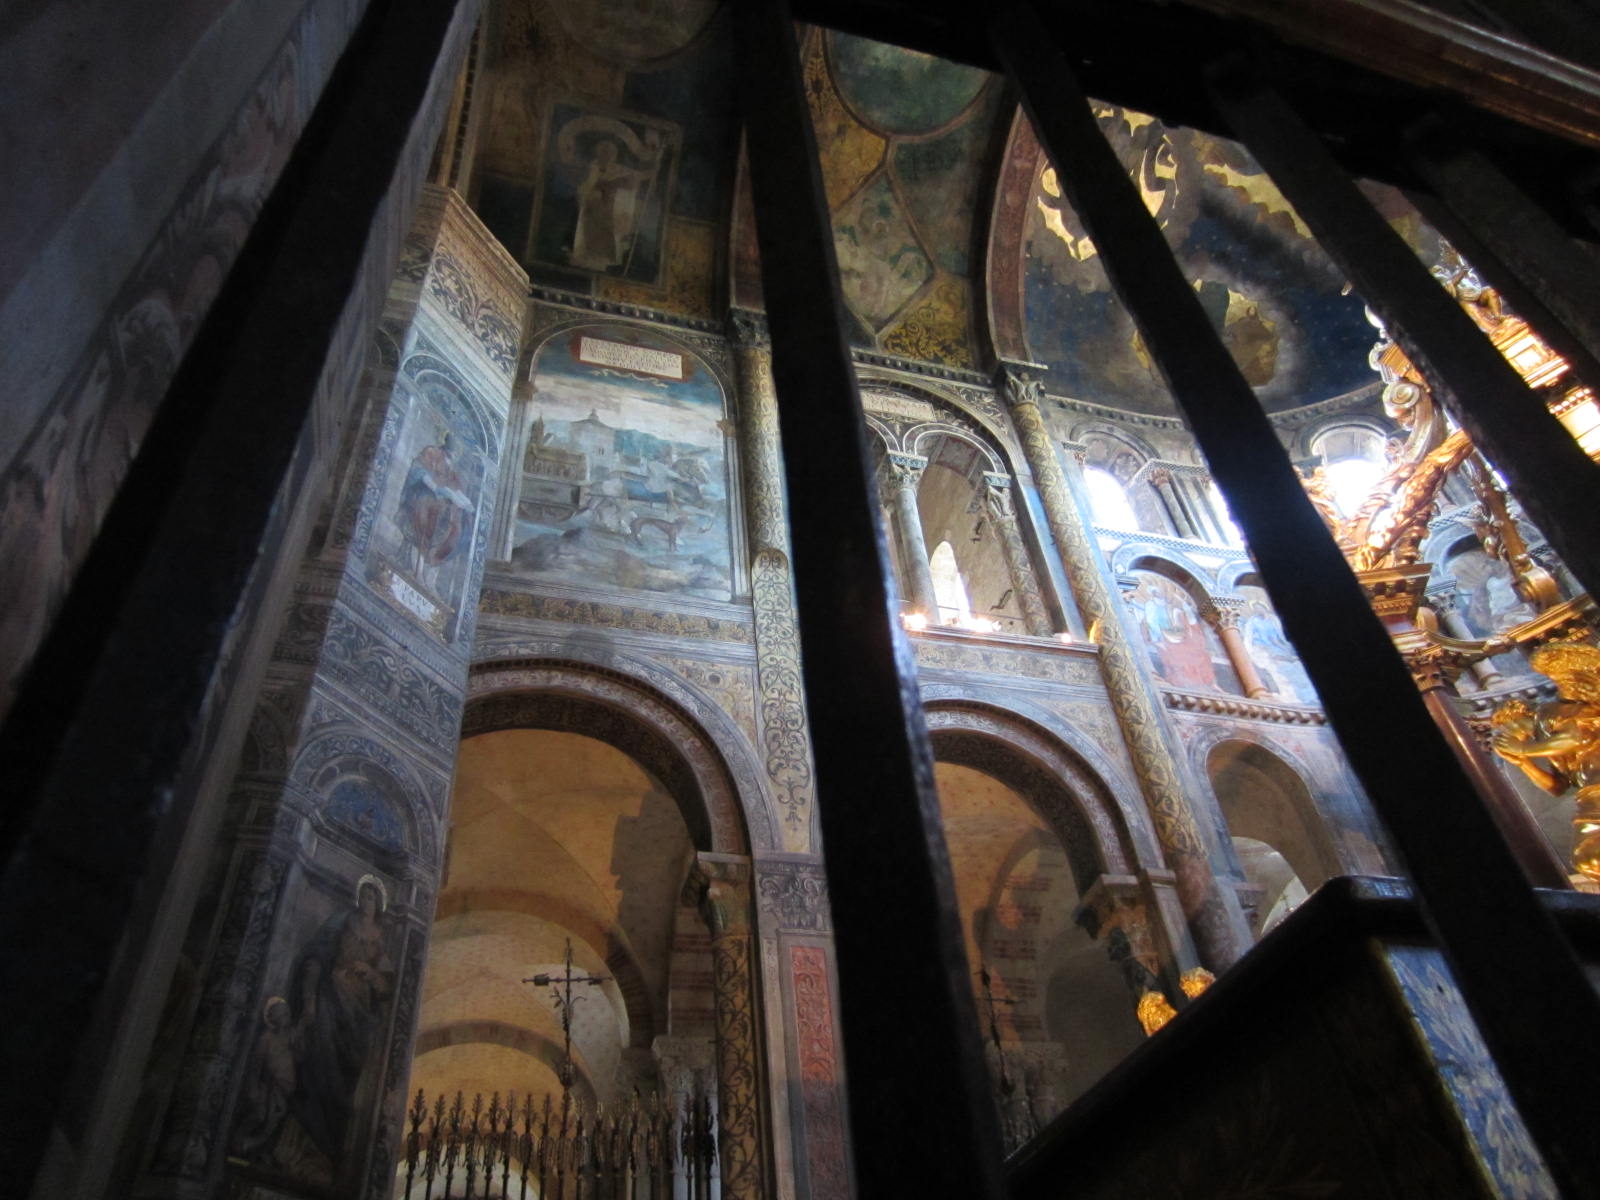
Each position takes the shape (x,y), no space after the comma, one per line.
(624,483)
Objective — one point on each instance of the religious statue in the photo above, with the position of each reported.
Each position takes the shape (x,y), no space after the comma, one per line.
(1557,743)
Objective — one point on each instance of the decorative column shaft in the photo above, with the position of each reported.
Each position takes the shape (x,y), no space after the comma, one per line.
(997,503)
(898,477)
(723,891)
(785,736)
(760,455)
(1212,913)
(1223,616)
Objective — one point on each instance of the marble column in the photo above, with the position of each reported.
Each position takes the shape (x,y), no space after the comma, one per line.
(1002,513)
(898,478)
(1212,912)
(1223,614)
(722,884)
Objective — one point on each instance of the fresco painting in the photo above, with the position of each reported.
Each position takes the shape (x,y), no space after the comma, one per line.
(1270,650)
(940,178)
(900,91)
(850,152)
(881,264)
(607,179)
(314,1055)
(624,483)
(1278,301)
(634,31)
(430,509)
(1184,650)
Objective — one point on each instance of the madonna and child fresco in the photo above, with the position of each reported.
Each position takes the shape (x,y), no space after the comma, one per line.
(624,483)
(316,1047)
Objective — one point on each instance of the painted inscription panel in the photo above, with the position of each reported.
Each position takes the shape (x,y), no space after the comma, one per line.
(625,480)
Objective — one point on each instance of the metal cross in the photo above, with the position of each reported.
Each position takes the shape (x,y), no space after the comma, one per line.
(561,990)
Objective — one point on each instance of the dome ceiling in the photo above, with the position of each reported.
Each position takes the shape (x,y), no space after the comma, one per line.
(1281,305)
(606,161)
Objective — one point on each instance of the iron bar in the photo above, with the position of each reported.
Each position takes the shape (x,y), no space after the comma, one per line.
(916,1072)
(1517,972)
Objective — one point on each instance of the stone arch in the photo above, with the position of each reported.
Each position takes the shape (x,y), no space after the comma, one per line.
(586,663)
(954,406)
(1065,975)
(1174,564)
(1116,439)
(1316,432)
(625,713)
(1038,765)
(1263,793)
(923,437)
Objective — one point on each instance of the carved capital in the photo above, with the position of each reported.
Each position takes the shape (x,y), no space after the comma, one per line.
(794,896)
(748,328)
(901,470)
(1444,602)
(997,500)
(719,886)
(1224,612)
(1160,476)
(1020,385)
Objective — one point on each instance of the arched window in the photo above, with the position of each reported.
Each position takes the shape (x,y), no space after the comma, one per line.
(948,587)
(1352,462)
(1107,500)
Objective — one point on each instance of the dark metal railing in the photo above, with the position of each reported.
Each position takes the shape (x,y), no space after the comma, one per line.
(517,1149)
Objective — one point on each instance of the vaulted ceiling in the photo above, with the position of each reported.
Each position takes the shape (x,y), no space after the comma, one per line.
(614,122)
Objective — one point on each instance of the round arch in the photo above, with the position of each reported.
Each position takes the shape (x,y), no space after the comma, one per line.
(1173,564)
(621,711)
(1262,796)
(1069,794)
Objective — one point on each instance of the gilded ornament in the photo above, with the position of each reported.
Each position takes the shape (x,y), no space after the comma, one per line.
(1556,744)
(1155,1010)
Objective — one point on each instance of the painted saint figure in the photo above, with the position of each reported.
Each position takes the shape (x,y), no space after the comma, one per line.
(434,511)
(342,984)
(610,203)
